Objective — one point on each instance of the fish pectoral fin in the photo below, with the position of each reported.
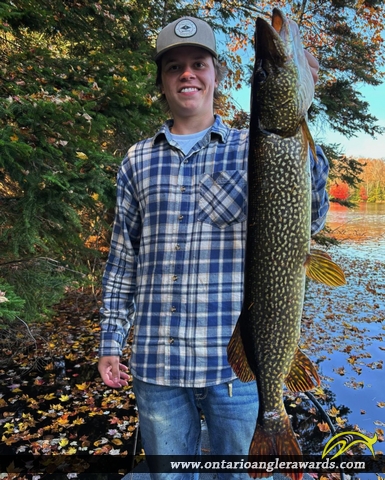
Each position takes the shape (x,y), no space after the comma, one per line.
(236,356)
(306,133)
(302,374)
(283,443)
(321,268)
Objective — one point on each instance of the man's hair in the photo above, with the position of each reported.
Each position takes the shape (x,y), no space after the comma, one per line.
(220,72)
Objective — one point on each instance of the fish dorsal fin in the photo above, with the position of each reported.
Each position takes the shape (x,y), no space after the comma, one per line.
(321,268)
(302,374)
(236,356)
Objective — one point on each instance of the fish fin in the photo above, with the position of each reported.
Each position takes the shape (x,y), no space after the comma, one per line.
(282,443)
(309,138)
(321,268)
(302,374)
(236,356)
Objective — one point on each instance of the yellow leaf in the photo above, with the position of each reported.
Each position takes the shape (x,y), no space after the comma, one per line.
(63,420)
(117,441)
(3,403)
(71,451)
(333,412)
(78,421)
(49,396)
(63,442)
(14,138)
(102,441)
(341,421)
(82,386)
(9,426)
(318,391)
(92,414)
(64,398)
(81,155)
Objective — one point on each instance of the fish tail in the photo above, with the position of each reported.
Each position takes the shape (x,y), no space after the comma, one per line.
(270,445)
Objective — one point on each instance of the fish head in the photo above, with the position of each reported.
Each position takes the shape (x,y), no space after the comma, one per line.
(282,83)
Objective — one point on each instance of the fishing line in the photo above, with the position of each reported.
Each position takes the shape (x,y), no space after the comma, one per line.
(326,418)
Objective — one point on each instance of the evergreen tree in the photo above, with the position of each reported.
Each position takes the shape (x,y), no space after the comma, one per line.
(76,91)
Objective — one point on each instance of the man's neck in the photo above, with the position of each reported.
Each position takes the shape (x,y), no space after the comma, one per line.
(186,126)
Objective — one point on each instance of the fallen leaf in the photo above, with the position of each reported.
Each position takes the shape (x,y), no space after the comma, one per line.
(323,426)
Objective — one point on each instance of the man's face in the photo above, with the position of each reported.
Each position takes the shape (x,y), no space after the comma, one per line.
(189,81)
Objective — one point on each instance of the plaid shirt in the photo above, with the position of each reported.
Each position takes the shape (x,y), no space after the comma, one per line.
(176,258)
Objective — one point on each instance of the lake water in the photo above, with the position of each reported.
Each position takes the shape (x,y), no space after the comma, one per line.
(361,230)
(343,329)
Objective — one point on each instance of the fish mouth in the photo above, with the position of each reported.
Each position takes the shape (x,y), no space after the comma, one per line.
(268,42)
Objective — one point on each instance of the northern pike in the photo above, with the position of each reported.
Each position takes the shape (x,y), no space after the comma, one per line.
(264,345)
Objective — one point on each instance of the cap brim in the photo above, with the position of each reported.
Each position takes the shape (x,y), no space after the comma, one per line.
(184,44)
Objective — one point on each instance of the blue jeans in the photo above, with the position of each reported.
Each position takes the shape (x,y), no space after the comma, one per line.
(170,423)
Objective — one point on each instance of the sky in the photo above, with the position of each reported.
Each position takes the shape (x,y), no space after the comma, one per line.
(361,146)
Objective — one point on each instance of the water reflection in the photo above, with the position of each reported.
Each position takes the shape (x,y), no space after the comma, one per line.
(343,329)
(361,230)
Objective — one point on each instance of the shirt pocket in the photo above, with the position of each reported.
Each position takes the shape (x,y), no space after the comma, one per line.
(222,198)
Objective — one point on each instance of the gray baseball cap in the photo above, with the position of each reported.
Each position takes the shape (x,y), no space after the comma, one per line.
(186,31)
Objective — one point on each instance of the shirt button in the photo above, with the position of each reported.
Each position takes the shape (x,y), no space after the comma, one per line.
(173,309)
(177,247)
(175,278)
(182,189)
(186,161)
(171,341)
(180,217)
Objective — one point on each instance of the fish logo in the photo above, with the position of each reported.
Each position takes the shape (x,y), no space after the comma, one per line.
(346,440)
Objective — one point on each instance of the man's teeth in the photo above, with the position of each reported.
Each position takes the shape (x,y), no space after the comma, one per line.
(189,90)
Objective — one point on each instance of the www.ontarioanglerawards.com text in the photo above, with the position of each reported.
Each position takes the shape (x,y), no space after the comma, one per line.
(267,466)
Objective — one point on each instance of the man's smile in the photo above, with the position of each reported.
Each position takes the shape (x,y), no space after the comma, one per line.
(189,89)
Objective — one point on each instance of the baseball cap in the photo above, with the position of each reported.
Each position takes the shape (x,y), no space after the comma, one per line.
(186,31)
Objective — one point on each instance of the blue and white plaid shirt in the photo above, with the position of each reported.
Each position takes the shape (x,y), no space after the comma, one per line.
(176,258)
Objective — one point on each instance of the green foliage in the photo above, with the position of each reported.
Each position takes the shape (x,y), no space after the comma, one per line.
(35,286)
(11,304)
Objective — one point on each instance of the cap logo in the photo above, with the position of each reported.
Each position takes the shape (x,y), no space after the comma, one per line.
(185,28)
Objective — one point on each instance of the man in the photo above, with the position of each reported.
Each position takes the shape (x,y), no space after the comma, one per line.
(176,260)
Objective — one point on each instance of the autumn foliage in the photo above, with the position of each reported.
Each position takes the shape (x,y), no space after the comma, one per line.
(339,191)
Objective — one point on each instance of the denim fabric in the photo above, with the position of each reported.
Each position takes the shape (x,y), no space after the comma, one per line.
(170,421)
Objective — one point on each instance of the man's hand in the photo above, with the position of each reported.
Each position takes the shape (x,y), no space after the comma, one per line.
(113,372)
(313,64)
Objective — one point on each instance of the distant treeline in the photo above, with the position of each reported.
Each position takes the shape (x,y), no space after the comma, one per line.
(371,187)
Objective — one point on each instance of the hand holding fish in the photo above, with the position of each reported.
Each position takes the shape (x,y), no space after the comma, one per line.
(313,64)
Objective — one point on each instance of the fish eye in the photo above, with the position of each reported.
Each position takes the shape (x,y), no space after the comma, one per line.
(260,75)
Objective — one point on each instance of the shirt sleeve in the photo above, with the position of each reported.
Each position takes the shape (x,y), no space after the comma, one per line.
(320,200)
(119,277)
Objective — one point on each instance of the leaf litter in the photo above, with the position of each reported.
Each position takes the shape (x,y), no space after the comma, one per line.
(61,407)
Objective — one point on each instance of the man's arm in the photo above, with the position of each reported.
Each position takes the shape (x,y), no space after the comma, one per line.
(119,285)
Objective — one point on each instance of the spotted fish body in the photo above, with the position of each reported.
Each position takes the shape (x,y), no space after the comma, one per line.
(265,342)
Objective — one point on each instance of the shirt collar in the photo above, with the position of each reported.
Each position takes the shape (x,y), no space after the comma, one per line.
(218,129)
